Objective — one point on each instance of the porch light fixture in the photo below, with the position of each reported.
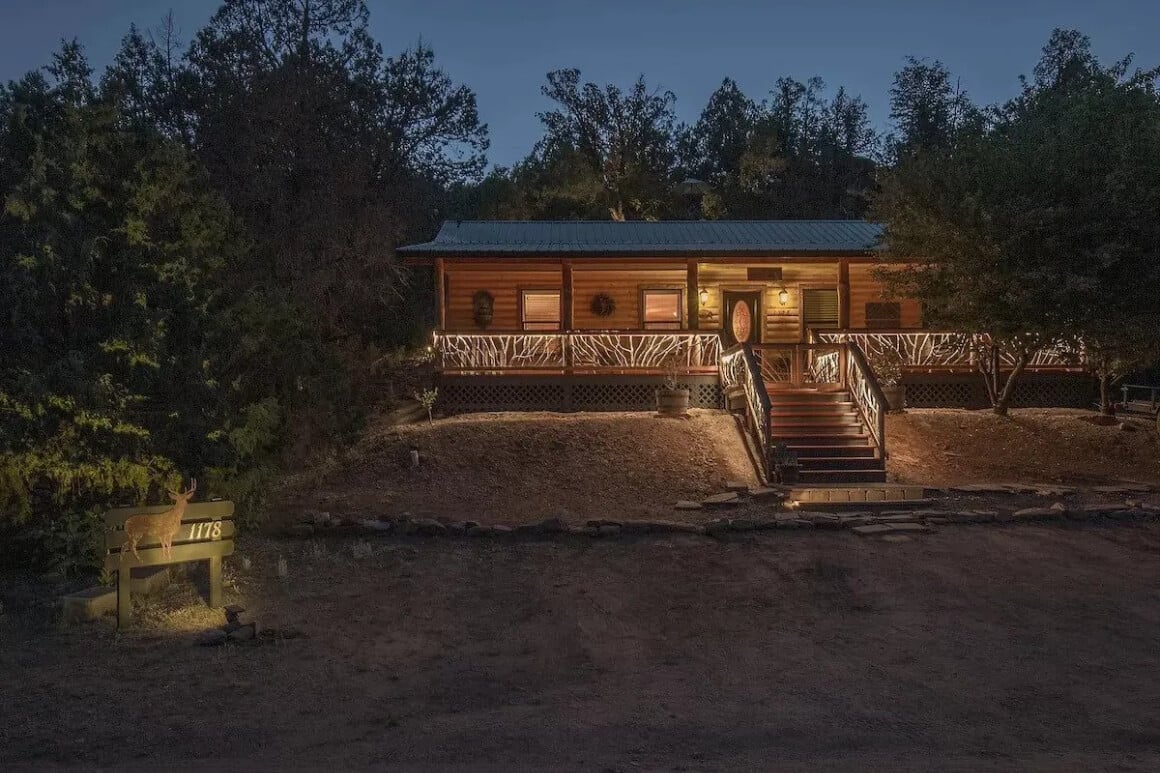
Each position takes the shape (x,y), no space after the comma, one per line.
(783,296)
(704,295)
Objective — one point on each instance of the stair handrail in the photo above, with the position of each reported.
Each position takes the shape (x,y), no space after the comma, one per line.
(867,394)
(757,403)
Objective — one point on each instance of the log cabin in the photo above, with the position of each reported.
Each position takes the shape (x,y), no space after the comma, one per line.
(785,317)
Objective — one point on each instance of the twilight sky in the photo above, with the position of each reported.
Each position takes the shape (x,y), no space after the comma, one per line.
(503,48)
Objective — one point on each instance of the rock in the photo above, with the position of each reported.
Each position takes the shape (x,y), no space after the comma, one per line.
(377,525)
(501,529)
(968,516)
(608,530)
(717,527)
(300,530)
(1034,514)
(909,527)
(824,520)
(596,523)
(88,604)
(546,526)
(1126,427)
(469,525)
(794,523)
(742,524)
(213,638)
(636,527)
(872,529)
(1103,508)
(679,527)
(686,504)
(425,527)
(480,530)
(875,529)
(1059,507)
(737,485)
(724,499)
(233,612)
(897,517)
(935,520)
(316,517)
(244,633)
(895,538)
(764,492)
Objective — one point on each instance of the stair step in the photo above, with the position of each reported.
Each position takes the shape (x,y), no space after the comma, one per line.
(831,452)
(825,477)
(845,441)
(840,463)
(815,421)
(812,430)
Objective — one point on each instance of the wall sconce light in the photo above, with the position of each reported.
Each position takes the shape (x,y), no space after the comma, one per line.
(783,296)
(704,295)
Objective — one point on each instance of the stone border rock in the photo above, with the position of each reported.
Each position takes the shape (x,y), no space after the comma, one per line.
(887,521)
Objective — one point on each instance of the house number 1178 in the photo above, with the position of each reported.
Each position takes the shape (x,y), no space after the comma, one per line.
(205,530)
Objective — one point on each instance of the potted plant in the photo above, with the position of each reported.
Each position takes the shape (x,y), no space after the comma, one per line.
(887,367)
(672,398)
(785,464)
(482,308)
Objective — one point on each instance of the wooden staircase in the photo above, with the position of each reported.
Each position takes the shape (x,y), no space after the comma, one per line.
(826,430)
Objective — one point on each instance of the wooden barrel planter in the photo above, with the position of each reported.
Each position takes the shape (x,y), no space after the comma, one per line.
(673,402)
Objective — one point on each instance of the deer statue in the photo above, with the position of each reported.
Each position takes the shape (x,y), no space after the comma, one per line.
(164,526)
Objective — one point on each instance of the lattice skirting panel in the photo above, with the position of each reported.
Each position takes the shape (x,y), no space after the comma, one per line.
(967,391)
(480,394)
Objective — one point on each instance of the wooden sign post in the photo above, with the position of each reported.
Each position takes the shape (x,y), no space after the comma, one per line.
(205,532)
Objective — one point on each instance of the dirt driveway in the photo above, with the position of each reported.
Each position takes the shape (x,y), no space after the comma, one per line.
(970,648)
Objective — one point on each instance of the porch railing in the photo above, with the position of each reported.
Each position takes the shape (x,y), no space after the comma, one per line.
(800,365)
(739,368)
(867,394)
(935,350)
(684,351)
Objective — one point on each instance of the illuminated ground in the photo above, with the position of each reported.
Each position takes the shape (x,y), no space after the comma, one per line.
(970,648)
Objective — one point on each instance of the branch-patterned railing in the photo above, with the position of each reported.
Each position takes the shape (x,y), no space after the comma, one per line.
(739,368)
(800,365)
(867,395)
(925,349)
(596,351)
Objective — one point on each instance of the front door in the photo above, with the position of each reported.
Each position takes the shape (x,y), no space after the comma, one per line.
(743,320)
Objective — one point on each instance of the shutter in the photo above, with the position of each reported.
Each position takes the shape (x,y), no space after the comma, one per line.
(820,308)
(541,310)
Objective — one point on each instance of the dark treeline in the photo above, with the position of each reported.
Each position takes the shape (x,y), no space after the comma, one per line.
(197,270)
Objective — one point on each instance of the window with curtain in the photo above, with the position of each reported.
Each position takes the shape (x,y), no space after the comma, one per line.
(541,310)
(661,309)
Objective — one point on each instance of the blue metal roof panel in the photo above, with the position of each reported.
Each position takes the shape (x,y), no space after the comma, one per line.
(543,237)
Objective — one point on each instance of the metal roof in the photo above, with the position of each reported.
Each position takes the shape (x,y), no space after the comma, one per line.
(488,238)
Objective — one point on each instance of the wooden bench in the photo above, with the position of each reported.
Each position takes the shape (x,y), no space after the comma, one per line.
(1139,404)
(206,534)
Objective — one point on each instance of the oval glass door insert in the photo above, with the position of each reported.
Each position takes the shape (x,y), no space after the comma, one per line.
(742,321)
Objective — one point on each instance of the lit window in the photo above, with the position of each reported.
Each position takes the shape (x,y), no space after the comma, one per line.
(661,309)
(541,310)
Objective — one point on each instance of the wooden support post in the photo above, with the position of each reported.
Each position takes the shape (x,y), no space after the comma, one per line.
(440,295)
(124,603)
(692,296)
(566,296)
(844,294)
(215,581)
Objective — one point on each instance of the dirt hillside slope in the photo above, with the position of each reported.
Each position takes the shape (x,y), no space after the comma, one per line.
(940,447)
(512,467)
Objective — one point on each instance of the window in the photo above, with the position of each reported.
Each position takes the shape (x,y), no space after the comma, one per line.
(540,309)
(884,316)
(820,308)
(661,309)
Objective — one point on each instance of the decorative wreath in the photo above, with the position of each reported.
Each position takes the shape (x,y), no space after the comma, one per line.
(603,305)
(482,307)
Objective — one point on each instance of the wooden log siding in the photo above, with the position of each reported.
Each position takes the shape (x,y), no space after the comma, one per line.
(864,288)
(624,281)
(782,323)
(624,287)
(504,283)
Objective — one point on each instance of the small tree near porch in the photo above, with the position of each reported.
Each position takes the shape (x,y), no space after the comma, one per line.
(1037,226)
